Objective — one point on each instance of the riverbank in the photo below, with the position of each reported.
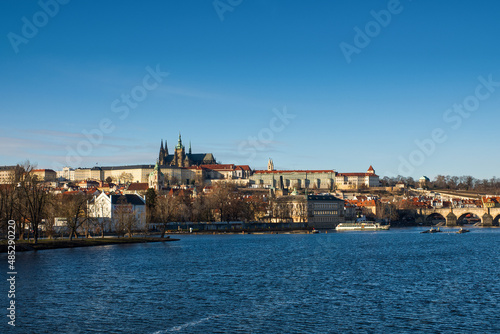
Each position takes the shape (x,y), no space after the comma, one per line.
(24,245)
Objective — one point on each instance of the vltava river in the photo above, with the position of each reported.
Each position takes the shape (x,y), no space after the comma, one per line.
(396,281)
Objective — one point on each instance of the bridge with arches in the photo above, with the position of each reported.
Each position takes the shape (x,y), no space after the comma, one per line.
(453,216)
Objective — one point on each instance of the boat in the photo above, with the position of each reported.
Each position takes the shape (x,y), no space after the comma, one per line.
(432,230)
(362,226)
(462,230)
(314,231)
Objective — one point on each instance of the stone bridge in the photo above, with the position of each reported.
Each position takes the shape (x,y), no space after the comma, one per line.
(488,216)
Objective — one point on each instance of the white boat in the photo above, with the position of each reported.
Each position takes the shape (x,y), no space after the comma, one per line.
(362,226)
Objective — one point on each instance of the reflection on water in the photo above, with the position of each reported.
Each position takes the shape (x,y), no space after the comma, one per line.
(390,281)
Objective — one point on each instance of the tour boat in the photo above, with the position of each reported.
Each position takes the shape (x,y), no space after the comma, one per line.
(361,226)
(431,230)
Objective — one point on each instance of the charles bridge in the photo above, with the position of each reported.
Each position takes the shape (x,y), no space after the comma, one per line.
(453,216)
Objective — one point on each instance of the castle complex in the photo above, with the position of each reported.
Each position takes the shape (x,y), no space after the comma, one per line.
(181,159)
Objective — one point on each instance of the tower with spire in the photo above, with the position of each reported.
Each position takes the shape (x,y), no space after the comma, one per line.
(162,157)
(180,158)
(179,154)
(270,165)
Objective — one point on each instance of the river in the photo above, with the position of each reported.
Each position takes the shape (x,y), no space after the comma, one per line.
(395,281)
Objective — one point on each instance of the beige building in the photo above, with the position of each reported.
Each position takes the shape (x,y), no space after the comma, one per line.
(7,174)
(226,171)
(290,179)
(47,175)
(319,211)
(357,180)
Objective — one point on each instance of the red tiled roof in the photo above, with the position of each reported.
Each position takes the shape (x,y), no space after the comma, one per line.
(219,167)
(244,167)
(356,174)
(139,186)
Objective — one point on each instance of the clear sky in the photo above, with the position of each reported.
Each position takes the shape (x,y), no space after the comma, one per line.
(410,87)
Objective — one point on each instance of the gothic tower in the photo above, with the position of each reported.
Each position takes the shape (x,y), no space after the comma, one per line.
(270,165)
(180,154)
(161,155)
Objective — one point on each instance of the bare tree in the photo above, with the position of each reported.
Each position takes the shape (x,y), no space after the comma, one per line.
(75,211)
(166,211)
(125,217)
(32,199)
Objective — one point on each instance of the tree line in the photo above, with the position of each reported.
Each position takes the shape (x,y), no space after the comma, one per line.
(464,183)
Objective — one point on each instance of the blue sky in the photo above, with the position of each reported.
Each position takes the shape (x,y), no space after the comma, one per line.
(231,80)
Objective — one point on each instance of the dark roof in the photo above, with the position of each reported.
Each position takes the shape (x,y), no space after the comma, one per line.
(129,199)
(196,158)
(7,167)
(121,167)
(138,186)
(322,198)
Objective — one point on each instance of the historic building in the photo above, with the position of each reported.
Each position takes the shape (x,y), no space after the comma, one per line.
(357,180)
(312,179)
(290,179)
(106,209)
(182,159)
(156,178)
(319,211)
(7,174)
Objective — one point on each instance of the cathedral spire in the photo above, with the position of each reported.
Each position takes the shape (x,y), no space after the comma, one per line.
(179,142)
(161,154)
(190,147)
(166,148)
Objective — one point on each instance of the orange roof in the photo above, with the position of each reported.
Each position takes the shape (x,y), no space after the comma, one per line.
(139,186)
(219,167)
(356,174)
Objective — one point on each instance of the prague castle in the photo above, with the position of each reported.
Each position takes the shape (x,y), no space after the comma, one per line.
(182,159)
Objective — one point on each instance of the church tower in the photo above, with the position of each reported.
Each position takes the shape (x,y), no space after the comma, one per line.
(270,165)
(180,154)
(161,155)
(156,178)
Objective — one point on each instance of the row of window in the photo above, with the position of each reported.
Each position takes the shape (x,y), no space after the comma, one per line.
(327,206)
(325,212)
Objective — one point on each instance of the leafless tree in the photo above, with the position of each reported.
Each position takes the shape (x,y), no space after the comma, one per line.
(75,211)
(166,211)
(32,199)
(125,218)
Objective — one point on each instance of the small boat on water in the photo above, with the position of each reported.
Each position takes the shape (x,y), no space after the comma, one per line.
(314,231)
(362,226)
(462,230)
(432,230)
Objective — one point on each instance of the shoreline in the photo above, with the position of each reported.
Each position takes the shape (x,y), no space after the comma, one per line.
(26,246)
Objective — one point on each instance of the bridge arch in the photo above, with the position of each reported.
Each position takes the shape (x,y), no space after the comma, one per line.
(434,218)
(468,218)
(496,220)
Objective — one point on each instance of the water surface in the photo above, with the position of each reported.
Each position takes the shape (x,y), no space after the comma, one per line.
(396,281)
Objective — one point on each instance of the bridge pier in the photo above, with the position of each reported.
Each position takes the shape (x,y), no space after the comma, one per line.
(487,220)
(451,219)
